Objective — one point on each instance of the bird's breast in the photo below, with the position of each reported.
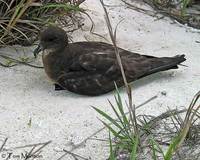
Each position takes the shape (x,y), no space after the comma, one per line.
(52,66)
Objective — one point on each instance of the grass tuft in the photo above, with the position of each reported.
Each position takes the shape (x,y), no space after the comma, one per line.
(163,136)
(21,20)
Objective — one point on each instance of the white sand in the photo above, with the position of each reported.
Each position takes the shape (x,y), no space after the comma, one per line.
(63,117)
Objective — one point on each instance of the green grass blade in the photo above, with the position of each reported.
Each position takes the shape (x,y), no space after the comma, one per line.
(134,149)
(172,148)
(105,115)
(157,147)
(120,106)
(114,132)
(47,6)
(116,113)
(185,3)
(66,7)
(153,150)
(120,118)
(112,156)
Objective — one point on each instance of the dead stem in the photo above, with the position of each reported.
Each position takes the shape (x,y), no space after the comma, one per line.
(33,153)
(4,143)
(76,156)
(17,62)
(131,106)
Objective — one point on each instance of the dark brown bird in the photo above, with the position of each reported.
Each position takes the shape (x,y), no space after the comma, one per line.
(91,68)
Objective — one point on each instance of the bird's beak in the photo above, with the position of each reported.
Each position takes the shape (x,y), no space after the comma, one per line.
(37,50)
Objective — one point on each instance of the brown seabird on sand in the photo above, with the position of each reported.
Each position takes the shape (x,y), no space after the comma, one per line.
(91,68)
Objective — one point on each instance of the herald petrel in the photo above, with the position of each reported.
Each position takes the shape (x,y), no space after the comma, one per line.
(91,68)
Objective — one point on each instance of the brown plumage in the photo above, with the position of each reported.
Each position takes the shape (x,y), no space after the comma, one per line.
(91,68)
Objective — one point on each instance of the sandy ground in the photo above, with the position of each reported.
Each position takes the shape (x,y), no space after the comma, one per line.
(65,118)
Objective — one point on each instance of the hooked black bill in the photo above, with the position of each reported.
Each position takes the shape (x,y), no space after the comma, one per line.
(37,50)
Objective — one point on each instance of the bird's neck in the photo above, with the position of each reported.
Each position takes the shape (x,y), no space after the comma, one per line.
(52,61)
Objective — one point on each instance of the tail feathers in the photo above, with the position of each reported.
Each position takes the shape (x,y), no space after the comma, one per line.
(170,62)
(165,63)
(179,58)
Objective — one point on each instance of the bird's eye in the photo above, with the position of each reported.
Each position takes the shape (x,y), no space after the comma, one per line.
(51,39)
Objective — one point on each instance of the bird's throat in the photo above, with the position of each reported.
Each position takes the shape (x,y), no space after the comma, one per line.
(51,64)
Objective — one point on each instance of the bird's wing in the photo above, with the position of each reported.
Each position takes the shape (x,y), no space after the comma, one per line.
(92,62)
(100,58)
(100,48)
(106,64)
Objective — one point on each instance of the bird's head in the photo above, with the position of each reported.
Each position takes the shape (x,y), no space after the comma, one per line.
(52,38)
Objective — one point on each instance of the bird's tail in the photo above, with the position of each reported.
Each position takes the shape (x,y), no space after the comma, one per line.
(170,62)
(165,63)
